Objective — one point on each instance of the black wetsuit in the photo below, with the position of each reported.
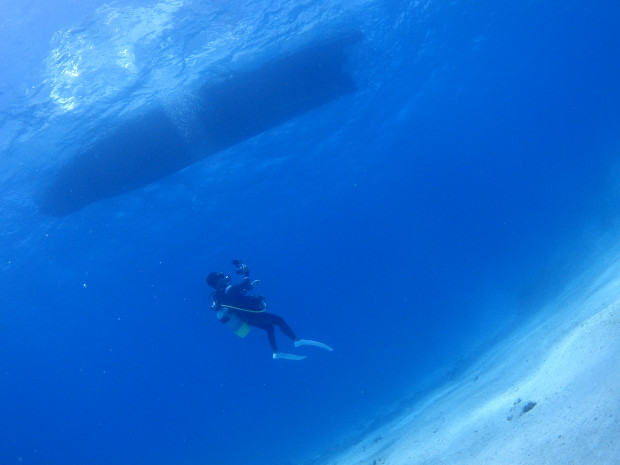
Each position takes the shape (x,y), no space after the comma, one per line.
(251,309)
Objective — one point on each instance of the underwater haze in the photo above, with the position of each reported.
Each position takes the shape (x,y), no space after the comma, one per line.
(409,180)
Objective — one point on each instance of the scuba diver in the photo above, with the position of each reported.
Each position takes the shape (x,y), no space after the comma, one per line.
(239,311)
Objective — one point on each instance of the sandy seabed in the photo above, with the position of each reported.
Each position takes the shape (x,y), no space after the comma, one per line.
(549,394)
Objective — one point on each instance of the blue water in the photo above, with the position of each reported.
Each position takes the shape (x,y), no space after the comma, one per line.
(409,224)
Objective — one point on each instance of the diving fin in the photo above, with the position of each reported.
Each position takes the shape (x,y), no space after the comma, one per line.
(282,355)
(307,342)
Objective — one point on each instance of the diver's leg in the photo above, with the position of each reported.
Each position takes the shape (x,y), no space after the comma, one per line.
(284,327)
(270,330)
(266,321)
(271,336)
(258,319)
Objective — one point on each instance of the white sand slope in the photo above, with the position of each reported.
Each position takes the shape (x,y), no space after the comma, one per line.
(548,395)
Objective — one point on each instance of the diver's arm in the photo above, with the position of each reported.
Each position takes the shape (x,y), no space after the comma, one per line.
(242,268)
(246,284)
(241,288)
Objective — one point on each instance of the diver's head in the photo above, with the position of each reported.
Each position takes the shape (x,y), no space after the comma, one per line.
(218,280)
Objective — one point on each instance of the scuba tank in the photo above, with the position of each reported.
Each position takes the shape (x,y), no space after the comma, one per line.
(236,324)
